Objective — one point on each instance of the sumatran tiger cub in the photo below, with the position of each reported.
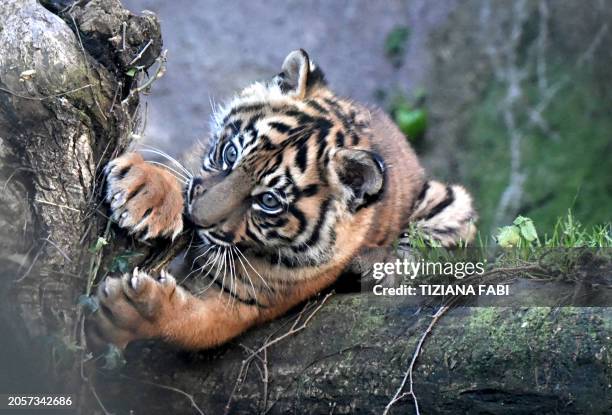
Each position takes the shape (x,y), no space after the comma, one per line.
(296,183)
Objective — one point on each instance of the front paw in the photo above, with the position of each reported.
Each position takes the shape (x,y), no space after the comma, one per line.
(135,306)
(144,198)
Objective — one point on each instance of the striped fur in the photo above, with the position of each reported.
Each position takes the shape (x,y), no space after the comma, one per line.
(443,214)
(293,184)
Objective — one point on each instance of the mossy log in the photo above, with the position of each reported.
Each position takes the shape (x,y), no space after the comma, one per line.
(65,109)
(354,353)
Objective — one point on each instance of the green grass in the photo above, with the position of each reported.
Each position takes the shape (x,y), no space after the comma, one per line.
(549,253)
(568,232)
(524,237)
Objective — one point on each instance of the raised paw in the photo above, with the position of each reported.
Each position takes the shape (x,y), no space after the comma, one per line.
(145,199)
(135,306)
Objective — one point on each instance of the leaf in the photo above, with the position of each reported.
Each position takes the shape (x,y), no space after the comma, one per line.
(508,236)
(120,264)
(395,42)
(131,72)
(113,358)
(89,303)
(411,123)
(100,243)
(527,228)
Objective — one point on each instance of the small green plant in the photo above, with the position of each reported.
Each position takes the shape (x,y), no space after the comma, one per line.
(522,233)
(409,115)
(395,44)
(98,245)
(567,233)
(121,262)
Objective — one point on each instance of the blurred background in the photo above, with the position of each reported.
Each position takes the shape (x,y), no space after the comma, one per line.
(512,99)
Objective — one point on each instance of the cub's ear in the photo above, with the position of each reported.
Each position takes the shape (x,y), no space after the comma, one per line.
(363,173)
(299,76)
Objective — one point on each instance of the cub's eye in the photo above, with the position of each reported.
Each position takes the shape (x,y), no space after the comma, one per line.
(270,203)
(230,154)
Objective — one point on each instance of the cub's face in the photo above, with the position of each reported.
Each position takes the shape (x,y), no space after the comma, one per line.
(283,169)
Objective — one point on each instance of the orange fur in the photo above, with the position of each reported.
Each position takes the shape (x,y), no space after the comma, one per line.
(149,197)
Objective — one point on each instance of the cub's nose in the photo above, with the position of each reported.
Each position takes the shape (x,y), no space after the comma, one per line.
(196,188)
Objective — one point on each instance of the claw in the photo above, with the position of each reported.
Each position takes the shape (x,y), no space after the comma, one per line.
(118,200)
(108,168)
(134,282)
(124,219)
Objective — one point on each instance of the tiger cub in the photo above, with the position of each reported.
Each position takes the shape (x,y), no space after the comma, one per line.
(296,183)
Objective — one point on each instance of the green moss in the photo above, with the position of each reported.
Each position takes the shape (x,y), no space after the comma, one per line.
(563,170)
(518,342)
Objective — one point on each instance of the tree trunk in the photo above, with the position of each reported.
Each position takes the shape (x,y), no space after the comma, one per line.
(65,110)
(66,107)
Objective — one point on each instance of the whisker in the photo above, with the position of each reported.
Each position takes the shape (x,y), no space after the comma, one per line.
(223,280)
(211,262)
(213,266)
(247,275)
(201,269)
(200,256)
(189,247)
(233,279)
(250,265)
(159,152)
(179,175)
(167,157)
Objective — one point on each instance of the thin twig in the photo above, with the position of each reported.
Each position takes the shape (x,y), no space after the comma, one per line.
(46,202)
(15,172)
(144,49)
(115,95)
(34,261)
(123,30)
(170,388)
(408,375)
(95,394)
(265,379)
(8,91)
(267,343)
(56,246)
(96,261)
(295,329)
(159,72)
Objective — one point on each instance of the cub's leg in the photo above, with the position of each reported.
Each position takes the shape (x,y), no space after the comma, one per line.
(138,306)
(144,199)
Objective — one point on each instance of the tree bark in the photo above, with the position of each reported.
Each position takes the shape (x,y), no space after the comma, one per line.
(61,123)
(65,110)
(354,353)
